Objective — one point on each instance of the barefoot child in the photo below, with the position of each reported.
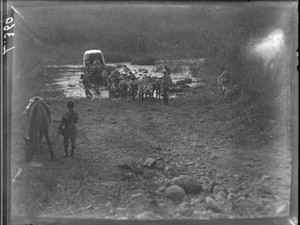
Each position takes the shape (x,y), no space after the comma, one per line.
(69,131)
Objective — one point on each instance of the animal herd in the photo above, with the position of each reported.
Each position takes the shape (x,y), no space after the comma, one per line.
(126,84)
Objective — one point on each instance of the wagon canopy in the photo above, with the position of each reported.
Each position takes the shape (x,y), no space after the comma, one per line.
(91,56)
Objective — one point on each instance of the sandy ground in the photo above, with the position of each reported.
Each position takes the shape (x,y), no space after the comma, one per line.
(194,135)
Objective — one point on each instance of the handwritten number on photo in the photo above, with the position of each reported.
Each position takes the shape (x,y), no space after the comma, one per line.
(8,35)
(9,20)
(4,49)
(7,27)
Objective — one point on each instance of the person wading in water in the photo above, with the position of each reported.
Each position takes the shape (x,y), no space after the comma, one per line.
(68,128)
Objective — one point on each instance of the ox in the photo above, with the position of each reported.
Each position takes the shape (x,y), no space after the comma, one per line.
(133,85)
(145,88)
(123,87)
(39,117)
(157,87)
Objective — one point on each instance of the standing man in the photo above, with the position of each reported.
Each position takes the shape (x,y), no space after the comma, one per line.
(86,85)
(166,83)
(68,128)
(97,79)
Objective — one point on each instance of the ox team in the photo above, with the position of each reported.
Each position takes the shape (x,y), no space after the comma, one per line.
(121,84)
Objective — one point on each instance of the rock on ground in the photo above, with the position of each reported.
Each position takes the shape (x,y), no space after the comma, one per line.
(188,184)
(150,162)
(162,189)
(214,206)
(127,163)
(211,186)
(218,189)
(222,196)
(175,193)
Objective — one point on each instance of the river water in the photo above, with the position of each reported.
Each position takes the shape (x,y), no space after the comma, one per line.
(67,78)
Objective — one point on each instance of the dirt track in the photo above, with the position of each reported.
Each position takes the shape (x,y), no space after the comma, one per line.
(195,135)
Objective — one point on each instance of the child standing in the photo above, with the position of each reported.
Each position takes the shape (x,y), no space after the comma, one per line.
(69,131)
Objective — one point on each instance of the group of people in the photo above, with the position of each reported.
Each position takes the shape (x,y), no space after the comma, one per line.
(112,81)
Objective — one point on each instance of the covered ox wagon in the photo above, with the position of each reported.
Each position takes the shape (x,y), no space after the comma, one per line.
(94,64)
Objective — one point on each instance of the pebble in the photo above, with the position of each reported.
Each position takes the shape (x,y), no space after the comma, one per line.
(233,196)
(136,195)
(161,189)
(167,168)
(211,186)
(168,182)
(222,194)
(150,162)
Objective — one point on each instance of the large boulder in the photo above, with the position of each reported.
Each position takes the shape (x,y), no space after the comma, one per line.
(188,184)
(175,193)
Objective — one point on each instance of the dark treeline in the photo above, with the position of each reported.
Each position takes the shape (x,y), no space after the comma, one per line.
(184,31)
(220,33)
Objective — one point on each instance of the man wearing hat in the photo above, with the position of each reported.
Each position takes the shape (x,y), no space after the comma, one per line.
(165,84)
(97,79)
(68,128)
